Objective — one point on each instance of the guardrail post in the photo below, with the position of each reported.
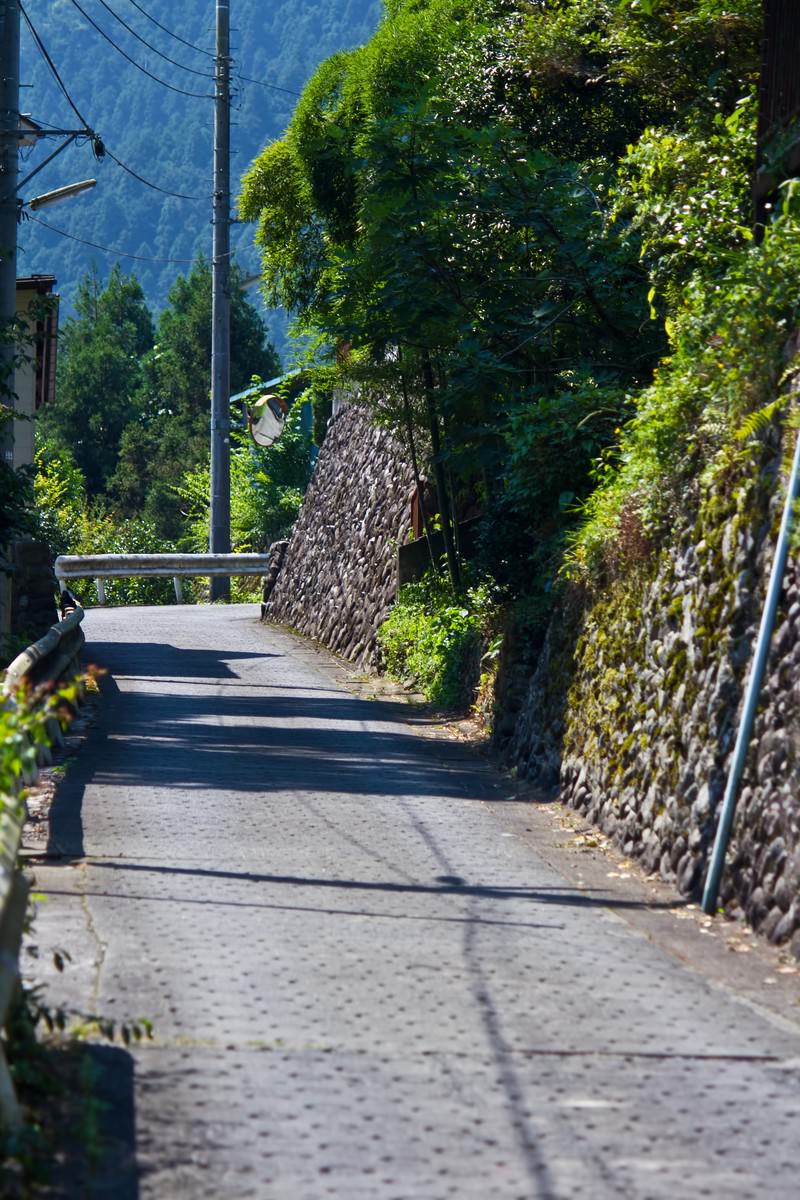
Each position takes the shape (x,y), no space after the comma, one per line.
(100,584)
(176,580)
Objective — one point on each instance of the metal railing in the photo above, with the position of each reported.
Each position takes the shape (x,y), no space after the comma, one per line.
(126,567)
(53,657)
(49,661)
(101,567)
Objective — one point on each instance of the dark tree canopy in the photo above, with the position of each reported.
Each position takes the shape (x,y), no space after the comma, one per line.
(443,203)
(100,374)
(171,434)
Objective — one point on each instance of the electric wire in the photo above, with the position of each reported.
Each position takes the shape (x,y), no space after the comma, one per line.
(172,61)
(46,124)
(148,182)
(181,91)
(178,38)
(135,174)
(90,132)
(108,249)
(43,51)
(273,87)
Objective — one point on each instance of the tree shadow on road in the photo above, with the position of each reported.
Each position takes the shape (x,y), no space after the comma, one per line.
(91,1124)
(156,659)
(264,745)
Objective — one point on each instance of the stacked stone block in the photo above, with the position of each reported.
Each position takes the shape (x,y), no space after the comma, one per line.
(339,573)
(641,709)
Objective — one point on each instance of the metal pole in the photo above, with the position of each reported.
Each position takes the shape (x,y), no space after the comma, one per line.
(9,153)
(220,529)
(752,692)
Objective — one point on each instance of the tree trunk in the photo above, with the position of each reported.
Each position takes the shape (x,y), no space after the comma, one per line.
(438,473)
(415,468)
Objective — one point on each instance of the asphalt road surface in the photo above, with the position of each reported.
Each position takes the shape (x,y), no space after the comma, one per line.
(363,985)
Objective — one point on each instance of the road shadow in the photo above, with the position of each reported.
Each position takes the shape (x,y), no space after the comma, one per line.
(155,659)
(260,745)
(92,1109)
(553,895)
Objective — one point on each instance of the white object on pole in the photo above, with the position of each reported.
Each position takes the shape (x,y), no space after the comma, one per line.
(267,427)
(63,193)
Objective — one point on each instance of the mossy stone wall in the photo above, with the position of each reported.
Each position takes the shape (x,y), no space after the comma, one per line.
(638,722)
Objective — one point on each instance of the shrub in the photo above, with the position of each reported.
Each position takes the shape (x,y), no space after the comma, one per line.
(71,525)
(728,339)
(433,637)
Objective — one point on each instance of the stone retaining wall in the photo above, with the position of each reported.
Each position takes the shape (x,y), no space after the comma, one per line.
(636,718)
(339,573)
(631,707)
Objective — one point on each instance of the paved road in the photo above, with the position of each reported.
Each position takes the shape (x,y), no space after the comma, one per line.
(363,985)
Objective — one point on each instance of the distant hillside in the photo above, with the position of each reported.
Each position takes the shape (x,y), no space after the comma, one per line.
(160,134)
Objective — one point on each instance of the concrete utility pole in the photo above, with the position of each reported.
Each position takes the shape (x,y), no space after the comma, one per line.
(220,532)
(9,154)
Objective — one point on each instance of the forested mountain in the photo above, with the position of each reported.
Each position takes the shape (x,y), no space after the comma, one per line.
(161,134)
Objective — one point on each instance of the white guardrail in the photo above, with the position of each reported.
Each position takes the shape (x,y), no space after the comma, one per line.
(175,566)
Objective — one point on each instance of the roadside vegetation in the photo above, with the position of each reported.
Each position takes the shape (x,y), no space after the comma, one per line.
(525,232)
(51,1052)
(122,459)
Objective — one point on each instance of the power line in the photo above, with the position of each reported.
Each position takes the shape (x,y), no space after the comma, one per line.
(105,249)
(273,87)
(173,62)
(164,29)
(47,58)
(46,124)
(95,139)
(133,62)
(135,174)
(43,51)
(90,132)
(149,183)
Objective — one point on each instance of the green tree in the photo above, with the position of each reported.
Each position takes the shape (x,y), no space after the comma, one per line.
(71,523)
(267,489)
(443,203)
(16,494)
(171,433)
(100,374)
(15,504)
(60,496)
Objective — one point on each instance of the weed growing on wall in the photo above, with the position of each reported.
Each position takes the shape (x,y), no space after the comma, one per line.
(729,336)
(434,637)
